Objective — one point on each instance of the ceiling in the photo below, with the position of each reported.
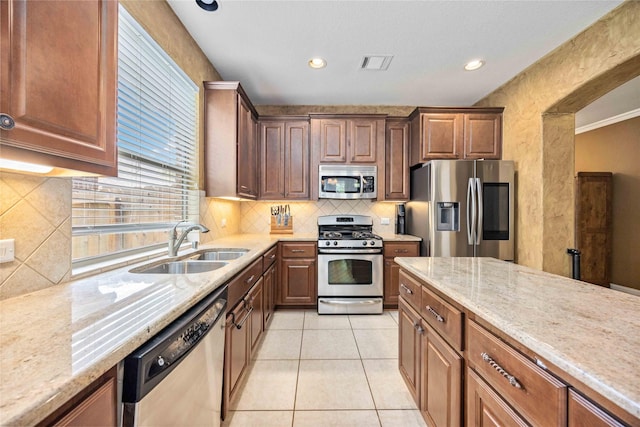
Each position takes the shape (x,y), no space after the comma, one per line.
(266,46)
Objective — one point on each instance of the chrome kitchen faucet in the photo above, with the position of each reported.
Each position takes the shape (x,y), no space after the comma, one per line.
(175,241)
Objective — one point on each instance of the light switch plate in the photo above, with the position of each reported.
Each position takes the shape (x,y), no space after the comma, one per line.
(7,250)
(384,221)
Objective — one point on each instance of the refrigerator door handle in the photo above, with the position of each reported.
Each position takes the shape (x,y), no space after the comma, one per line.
(478,229)
(471,211)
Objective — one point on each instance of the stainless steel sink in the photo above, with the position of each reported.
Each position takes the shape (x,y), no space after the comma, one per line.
(180,267)
(222,254)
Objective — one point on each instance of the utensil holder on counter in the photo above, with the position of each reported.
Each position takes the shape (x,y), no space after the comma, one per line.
(281,229)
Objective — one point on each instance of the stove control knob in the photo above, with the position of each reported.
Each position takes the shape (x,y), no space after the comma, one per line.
(335,243)
(327,243)
(364,243)
(372,243)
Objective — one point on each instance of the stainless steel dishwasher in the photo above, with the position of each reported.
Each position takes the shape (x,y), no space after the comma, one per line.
(175,379)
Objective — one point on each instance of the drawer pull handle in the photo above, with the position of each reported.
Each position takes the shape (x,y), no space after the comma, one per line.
(435,314)
(406,289)
(242,322)
(272,256)
(402,251)
(297,251)
(512,380)
(250,278)
(418,328)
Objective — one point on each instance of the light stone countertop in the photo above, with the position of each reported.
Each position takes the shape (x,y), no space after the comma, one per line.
(591,333)
(55,342)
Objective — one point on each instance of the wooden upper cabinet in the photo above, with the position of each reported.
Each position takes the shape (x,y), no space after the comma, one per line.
(397,160)
(348,139)
(284,159)
(231,144)
(483,136)
(58,82)
(332,138)
(455,133)
(363,142)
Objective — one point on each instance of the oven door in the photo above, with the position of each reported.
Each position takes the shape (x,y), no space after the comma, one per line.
(350,275)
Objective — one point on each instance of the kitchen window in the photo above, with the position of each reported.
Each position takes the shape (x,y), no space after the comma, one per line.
(114,218)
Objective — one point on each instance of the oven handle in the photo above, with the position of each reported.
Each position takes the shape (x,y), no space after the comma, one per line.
(350,251)
(347,302)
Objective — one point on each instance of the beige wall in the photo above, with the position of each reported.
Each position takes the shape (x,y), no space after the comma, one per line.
(616,148)
(539,128)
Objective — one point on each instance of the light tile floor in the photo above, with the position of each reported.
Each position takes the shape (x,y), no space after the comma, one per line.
(313,370)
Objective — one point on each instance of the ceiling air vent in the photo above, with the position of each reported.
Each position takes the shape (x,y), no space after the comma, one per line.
(375,62)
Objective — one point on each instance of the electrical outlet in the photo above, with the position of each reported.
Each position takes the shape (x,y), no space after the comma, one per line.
(384,221)
(223,222)
(7,250)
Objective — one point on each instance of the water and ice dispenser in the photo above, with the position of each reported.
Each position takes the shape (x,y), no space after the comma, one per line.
(448,216)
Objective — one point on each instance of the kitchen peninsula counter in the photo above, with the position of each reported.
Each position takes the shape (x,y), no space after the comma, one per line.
(589,333)
(55,342)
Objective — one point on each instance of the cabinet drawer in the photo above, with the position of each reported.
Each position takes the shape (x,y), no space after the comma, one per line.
(298,250)
(400,249)
(269,258)
(409,289)
(539,397)
(240,285)
(443,317)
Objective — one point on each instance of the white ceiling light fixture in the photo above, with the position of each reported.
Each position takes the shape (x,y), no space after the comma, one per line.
(473,64)
(208,5)
(317,63)
(375,62)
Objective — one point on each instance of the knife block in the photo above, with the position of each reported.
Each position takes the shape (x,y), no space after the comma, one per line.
(281,229)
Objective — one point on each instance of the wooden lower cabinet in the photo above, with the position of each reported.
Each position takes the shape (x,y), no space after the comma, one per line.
(96,405)
(409,347)
(441,381)
(298,274)
(485,408)
(270,280)
(583,412)
(392,270)
(256,303)
(236,352)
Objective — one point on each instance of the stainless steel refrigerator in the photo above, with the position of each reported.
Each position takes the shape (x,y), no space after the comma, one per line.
(463,208)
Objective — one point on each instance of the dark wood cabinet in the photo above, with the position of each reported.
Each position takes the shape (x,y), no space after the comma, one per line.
(298,274)
(594,225)
(455,133)
(255,301)
(441,381)
(96,405)
(410,330)
(59,75)
(583,412)
(364,135)
(485,408)
(270,280)
(396,167)
(330,138)
(230,142)
(236,352)
(392,270)
(284,159)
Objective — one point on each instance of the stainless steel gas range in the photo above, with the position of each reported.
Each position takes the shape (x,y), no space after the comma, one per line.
(350,266)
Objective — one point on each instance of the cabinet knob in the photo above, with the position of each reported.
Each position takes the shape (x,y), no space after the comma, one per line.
(7,122)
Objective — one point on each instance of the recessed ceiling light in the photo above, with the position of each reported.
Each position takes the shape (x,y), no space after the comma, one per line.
(208,5)
(317,63)
(474,65)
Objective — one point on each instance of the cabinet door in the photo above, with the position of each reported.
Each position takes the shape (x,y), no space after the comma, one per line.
(247,165)
(397,161)
(333,140)
(440,136)
(410,332)
(441,382)
(363,140)
(298,282)
(584,413)
(269,293)
(59,68)
(391,282)
(255,302)
(236,352)
(296,155)
(272,160)
(485,408)
(482,136)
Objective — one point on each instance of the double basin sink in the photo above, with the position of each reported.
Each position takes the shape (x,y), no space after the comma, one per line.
(201,262)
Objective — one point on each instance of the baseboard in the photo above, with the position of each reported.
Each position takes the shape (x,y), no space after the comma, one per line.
(626,289)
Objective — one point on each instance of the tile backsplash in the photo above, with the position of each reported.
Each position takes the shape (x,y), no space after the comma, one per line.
(256,215)
(36,212)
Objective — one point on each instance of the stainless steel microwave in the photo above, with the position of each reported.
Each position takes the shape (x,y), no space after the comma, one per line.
(348,182)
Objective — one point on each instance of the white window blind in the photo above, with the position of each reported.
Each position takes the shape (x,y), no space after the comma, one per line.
(157,157)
